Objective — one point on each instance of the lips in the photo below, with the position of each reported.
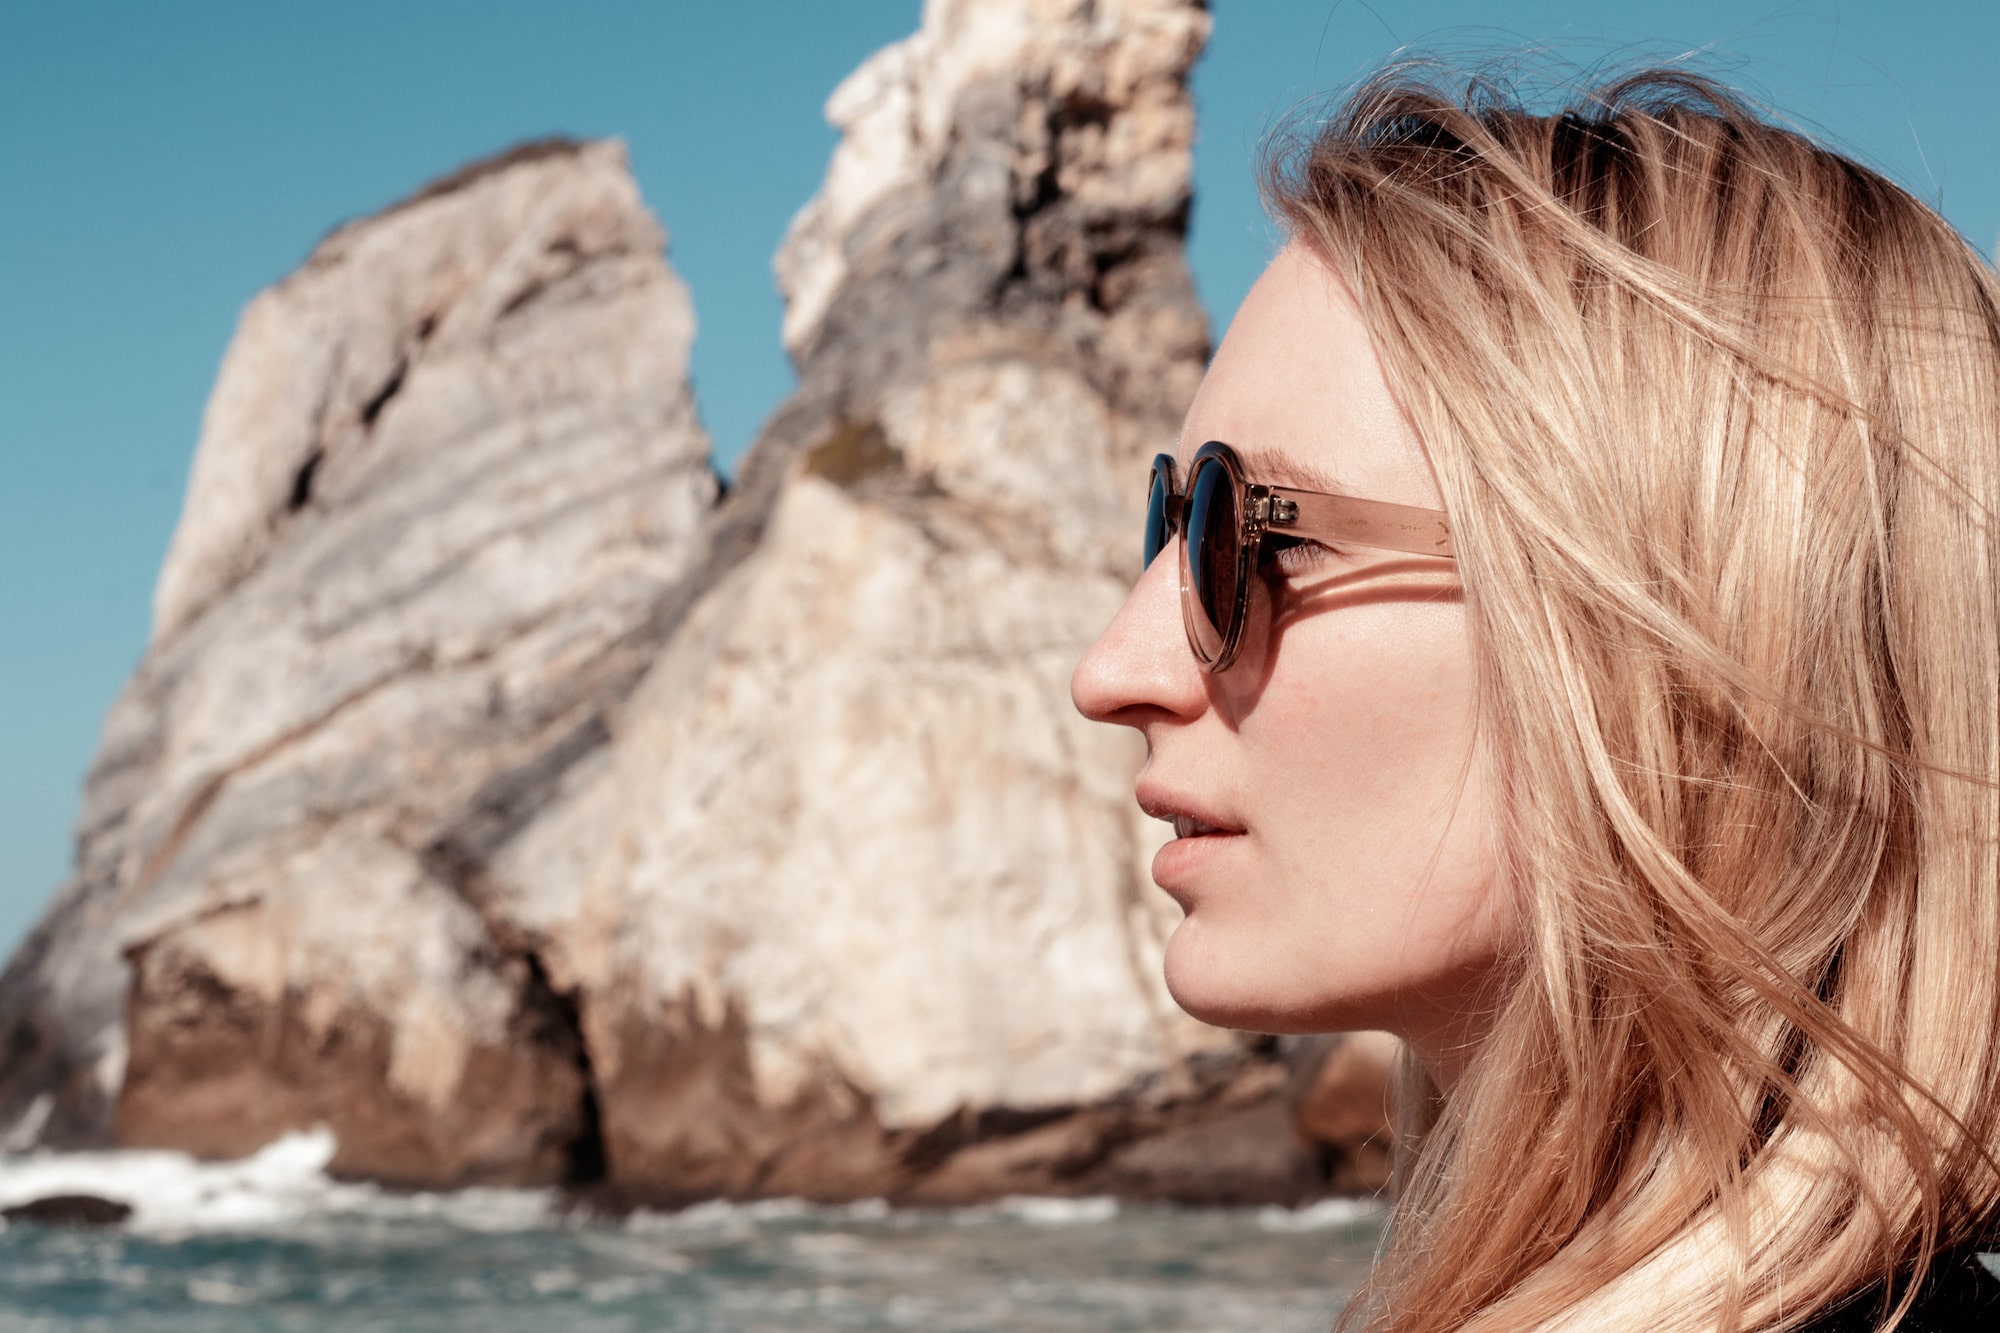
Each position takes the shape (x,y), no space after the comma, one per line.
(1203,841)
(1190,816)
(1187,826)
(1202,833)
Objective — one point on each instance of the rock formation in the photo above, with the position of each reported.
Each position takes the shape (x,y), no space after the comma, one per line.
(494,798)
(446,473)
(864,884)
(69,1210)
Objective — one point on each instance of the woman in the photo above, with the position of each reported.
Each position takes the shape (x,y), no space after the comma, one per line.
(1632,747)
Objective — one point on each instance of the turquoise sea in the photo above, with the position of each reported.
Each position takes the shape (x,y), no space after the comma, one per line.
(272,1243)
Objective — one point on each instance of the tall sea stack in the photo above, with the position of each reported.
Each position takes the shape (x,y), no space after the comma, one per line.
(500,793)
(449,468)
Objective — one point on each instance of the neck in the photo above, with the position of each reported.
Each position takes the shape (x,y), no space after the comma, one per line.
(1445,1034)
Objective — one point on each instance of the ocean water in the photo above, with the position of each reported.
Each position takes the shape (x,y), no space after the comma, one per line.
(272,1243)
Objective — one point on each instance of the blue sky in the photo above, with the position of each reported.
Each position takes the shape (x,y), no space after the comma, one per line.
(160,163)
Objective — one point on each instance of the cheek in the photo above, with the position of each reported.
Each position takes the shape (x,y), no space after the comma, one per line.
(1369,885)
(1367,729)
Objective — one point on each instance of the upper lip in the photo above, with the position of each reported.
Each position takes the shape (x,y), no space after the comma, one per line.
(1187,814)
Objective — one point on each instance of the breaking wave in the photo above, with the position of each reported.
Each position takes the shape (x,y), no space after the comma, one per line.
(286,1184)
(282,1185)
(217,1247)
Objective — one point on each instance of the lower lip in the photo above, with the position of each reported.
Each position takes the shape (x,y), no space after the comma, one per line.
(1183,858)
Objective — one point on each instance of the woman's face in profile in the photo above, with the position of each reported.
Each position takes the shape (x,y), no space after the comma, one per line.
(1349,880)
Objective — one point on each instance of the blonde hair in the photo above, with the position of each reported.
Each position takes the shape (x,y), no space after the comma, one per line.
(1715,414)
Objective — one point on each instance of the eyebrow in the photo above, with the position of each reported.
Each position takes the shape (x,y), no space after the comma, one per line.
(1275,467)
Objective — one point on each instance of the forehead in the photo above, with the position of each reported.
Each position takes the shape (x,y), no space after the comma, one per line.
(1297,389)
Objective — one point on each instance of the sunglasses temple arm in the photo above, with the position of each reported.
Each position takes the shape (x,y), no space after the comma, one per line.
(1349,520)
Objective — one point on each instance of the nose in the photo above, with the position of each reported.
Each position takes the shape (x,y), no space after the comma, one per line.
(1140,668)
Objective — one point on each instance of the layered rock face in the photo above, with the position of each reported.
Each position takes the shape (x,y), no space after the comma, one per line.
(448,468)
(867,886)
(493,797)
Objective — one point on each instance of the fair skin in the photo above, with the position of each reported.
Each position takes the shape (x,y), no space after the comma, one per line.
(1342,871)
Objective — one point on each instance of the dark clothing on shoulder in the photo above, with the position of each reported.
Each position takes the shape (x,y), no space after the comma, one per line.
(1961,1295)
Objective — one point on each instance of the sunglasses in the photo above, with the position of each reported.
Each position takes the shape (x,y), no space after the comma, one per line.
(1225,522)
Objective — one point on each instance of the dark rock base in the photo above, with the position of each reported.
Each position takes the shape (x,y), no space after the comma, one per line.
(69,1210)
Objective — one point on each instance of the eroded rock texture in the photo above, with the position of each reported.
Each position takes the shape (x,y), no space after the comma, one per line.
(448,469)
(868,899)
(492,796)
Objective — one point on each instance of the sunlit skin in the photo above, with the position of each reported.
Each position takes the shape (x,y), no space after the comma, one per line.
(1353,881)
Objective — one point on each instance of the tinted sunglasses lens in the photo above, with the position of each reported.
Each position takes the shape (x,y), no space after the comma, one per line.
(1214,557)
(1156,516)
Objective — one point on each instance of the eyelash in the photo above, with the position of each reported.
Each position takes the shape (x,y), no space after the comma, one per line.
(1285,557)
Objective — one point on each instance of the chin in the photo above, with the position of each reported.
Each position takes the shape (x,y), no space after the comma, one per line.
(1233,992)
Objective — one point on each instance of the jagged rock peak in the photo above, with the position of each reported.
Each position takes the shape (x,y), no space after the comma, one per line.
(1012,183)
(459,178)
(320,356)
(991,113)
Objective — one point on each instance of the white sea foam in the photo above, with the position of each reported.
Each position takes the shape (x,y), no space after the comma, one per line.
(725,1215)
(280,1186)
(1042,1212)
(1318,1216)
(720,1215)
(286,1186)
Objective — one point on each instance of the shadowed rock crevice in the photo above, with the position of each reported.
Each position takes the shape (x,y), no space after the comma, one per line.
(302,483)
(584,1159)
(570,261)
(458,860)
(372,408)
